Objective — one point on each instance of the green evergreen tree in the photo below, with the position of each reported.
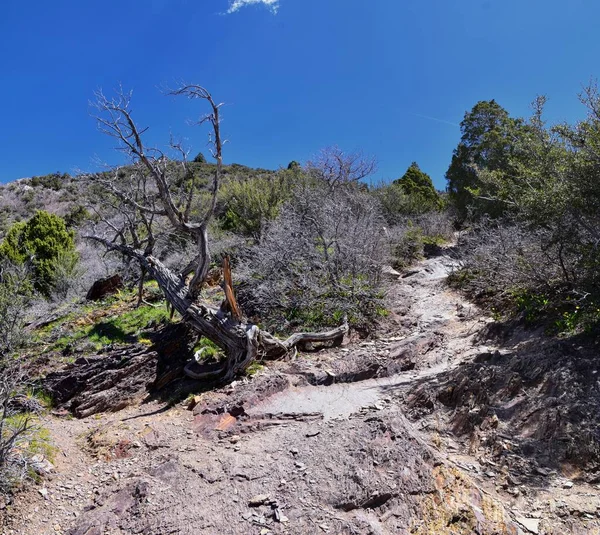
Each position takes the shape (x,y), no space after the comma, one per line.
(418,185)
(489,136)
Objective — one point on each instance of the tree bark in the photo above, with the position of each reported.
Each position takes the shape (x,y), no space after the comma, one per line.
(241,342)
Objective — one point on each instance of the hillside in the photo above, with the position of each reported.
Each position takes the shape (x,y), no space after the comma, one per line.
(313,351)
(389,435)
(67,195)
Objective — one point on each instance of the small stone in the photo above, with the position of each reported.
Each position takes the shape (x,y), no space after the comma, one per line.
(299,465)
(193,402)
(235,439)
(567,485)
(530,524)
(280,517)
(44,492)
(258,500)
(313,433)
(294,451)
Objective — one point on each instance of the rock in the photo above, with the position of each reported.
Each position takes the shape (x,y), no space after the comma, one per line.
(118,378)
(280,517)
(104,287)
(258,500)
(194,402)
(43,492)
(235,439)
(313,433)
(390,273)
(567,485)
(41,465)
(530,524)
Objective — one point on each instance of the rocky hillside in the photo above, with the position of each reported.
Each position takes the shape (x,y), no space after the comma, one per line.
(443,422)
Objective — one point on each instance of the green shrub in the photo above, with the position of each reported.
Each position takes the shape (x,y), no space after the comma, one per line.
(250,203)
(53,181)
(41,241)
(76,216)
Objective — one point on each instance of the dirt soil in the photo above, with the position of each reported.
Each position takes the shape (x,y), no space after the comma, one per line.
(442,423)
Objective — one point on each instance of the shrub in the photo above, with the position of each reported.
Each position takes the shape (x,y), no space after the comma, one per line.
(16,431)
(40,241)
(418,185)
(76,216)
(412,236)
(544,254)
(53,181)
(318,261)
(15,293)
(398,202)
(250,203)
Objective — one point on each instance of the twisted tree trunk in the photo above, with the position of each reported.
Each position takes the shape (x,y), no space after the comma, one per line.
(241,342)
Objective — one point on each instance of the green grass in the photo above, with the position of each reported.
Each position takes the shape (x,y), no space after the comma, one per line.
(254,368)
(128,326)
(210,350)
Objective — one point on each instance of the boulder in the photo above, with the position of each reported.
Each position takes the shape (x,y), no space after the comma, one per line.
(104,287)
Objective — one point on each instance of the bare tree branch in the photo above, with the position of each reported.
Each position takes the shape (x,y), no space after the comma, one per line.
(151,201)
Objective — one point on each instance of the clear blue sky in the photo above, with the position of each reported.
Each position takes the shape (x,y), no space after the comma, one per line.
(392,77)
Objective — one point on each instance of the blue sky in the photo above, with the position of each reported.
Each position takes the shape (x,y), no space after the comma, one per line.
(391,77)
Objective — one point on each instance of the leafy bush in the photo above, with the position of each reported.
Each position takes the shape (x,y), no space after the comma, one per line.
(53,181)
(547,245)
(41,241)
(418,186)
(250,203)
(76,216)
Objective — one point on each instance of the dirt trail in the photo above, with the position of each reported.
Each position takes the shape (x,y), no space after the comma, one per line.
(319,445)
(433,311)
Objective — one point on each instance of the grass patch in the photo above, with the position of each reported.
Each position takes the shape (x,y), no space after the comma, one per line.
(117,327)
(209,351)
(254,368)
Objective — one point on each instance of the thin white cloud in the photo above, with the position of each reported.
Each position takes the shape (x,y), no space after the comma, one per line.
(236,5)
(434,119)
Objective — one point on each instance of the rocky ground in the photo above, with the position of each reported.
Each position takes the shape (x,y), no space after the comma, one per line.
(442,423)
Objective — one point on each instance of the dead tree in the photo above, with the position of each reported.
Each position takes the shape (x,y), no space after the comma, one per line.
(175,206)
(338,168)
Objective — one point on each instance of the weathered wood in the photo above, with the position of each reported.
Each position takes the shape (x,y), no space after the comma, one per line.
(228,289)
